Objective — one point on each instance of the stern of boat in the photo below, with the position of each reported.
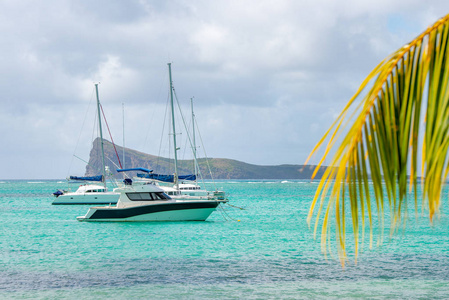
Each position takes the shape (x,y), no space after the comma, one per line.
(220,195)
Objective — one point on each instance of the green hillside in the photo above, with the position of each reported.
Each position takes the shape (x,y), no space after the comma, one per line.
(221,168)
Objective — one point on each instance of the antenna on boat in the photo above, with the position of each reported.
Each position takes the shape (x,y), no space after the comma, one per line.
(175,177)
(101,136)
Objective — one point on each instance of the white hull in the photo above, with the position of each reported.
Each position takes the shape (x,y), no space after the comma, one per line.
(87,198)
(164,216)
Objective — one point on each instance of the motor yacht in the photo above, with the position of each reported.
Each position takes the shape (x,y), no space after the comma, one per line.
(148,202)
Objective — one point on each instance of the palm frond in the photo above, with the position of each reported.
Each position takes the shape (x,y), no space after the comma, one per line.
(380,142)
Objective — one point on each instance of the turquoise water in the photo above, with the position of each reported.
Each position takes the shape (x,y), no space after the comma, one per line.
(269,254)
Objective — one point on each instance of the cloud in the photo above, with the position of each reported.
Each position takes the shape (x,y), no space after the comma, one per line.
(267,77)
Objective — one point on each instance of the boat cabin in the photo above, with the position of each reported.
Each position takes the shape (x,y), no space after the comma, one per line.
(89,188)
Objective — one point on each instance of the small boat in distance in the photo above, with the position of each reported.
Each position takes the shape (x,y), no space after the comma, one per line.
(148,202)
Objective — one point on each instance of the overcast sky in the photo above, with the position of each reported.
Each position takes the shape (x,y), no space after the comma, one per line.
(268,77)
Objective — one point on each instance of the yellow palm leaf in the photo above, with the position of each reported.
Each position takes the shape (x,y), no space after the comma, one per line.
(381,138)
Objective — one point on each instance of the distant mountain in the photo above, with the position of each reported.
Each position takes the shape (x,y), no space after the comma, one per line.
(221,168)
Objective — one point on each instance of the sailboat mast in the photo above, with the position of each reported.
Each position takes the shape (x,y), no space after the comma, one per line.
(101,136)
(123,115)
(194,142)
(174,129)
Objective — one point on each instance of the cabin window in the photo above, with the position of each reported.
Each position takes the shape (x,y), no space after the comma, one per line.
(134,196)
(147,196)
(160,196)
(95,191)
(190,188)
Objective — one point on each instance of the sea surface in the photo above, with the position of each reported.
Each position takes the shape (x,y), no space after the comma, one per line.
(259,248)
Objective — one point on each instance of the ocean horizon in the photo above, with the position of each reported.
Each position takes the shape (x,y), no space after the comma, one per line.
(257,247)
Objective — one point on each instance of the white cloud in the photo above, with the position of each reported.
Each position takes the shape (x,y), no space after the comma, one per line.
(268,77)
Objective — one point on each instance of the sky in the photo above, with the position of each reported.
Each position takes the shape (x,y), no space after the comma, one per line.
(267,77)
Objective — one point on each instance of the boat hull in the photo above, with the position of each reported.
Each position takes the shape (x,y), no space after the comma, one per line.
(173,211)
(87,198)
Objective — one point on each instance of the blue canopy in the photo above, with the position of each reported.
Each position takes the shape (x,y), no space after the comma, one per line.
(135,169)
(58,193)
(166,178)
(88,178)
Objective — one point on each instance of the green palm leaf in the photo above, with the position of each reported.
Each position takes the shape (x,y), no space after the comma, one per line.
(380,142)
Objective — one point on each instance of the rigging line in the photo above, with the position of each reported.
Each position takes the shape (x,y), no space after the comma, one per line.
(113,162)
(188,136)
(241,208)
(186,128)
(149,129)
(96,133)
(185,148)
(162,83)
(220,209)
(163,130)
(191,145)
(162,137)
(183,161)
(207,159)
(81,159)
(223,211)
(113,180)
(81,131)
(205,154)
(112,140)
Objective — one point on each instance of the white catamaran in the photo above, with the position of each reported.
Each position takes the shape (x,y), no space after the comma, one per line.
(93,189)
